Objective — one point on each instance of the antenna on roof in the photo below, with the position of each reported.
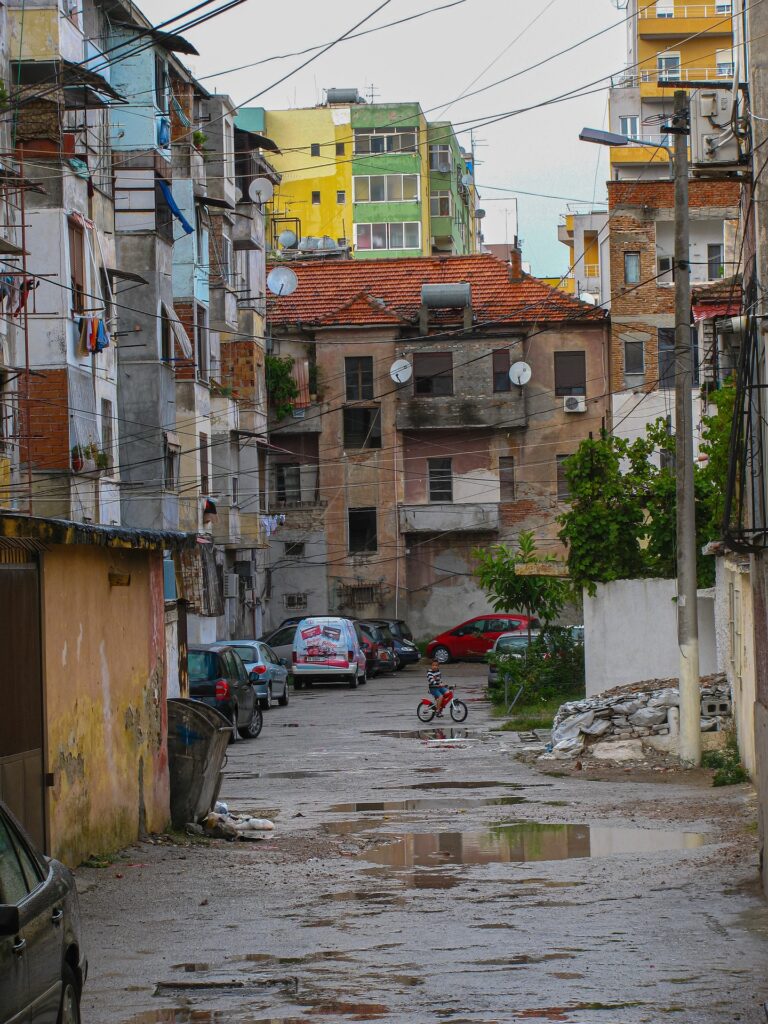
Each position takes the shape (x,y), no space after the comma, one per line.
(371,92)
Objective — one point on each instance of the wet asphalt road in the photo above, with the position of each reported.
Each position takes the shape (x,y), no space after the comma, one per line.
(411,880)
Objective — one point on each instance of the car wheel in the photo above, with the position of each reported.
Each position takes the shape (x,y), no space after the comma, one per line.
(266,702)
(441,655)
(255,724)
(353,682)
(283,701)
(233,723)
(363,678)
(298,684)
(69,1008)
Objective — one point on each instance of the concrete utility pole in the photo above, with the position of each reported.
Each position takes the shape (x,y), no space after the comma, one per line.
(687,611)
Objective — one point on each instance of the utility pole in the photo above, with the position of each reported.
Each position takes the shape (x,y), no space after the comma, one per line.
(687,611)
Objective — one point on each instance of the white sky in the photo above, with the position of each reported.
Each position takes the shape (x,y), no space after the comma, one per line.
(432,61)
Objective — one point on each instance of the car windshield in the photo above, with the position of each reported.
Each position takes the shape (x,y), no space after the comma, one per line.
(247,653)
(402,629)
(369,631)
(511,643)
(386,634)
(202,665)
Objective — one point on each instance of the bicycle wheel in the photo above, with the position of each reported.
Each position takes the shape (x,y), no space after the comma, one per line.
(426,712)
(458,710)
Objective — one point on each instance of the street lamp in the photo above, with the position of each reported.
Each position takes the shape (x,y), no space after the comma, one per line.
(685,534)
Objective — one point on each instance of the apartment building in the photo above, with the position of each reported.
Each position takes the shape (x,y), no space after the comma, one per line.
(387,489)
(377,179)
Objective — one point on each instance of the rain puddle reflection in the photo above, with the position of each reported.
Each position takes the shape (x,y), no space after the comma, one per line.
(449,733)
(423,804)
(461,784)
(525,842)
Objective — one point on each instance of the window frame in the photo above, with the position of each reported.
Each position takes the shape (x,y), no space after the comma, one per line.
(284,486)
(387,177)
(358,378)
(204,464)
(77,270)
(367,548)
(501,361)
(720,262)
(387,226)
(563,362)
(369,427)
(435,150)
(423,377)
(507,480)
(386,135)
(440,478)
(663,70)
(630,117)
(438,196)
(314,149)
(315,197)
(631,253)
(341,148)
(634,344)
(341,197)
(108,432)
(202,343)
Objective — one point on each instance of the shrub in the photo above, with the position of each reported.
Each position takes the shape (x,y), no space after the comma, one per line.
(726,763)
(552,668)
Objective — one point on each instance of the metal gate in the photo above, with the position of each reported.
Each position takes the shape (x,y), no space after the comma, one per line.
(21,692)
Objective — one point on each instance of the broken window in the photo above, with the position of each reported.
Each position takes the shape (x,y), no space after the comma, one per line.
(440,479)
(359,375)
(294,549)
(433,373)
(501,381)
(570,373)
(506,478)
(362,536)
(362,427)
(287,482)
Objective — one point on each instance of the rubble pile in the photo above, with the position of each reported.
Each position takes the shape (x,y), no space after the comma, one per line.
(636,711)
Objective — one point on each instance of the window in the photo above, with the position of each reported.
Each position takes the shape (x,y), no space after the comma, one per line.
(506,478)
(440,159)
(666,270)
(362,530)
(629,125)
(107,437)
(359,374)
(226,259)
(294,549)
(665,8)
(440,203)
(501,381)
(386,140)
(315,198)
(341,148)
(385,188)
(714,261)
(563,488)
(201,339)
(171,449)
(570,373)
(76,265)
(631,268)
(235,484)
(314,149)
(166,339)
(433,373)
(341,197)
(667,364)
(13,883)
(724,63)
(440,479)
(634,358)
(161,84)
(723,7)
(362,427)
(205,469)
(668,66)
(388,236)
(295,602)
(287,482)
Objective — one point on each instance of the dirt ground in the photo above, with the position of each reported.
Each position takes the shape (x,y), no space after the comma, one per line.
(418,874)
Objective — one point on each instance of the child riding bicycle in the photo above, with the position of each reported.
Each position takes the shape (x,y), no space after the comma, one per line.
(436,687)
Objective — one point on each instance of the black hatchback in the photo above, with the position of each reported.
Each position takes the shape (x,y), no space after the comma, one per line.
(42,966)
(219,678)
(406,650)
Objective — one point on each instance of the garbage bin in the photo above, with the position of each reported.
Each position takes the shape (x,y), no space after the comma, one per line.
(197,745)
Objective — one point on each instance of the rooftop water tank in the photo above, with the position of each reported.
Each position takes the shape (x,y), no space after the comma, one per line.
(447,296)
(345,96)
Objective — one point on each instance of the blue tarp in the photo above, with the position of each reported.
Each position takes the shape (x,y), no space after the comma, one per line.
(165,188)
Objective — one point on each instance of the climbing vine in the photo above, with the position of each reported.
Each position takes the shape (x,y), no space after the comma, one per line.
(281,387)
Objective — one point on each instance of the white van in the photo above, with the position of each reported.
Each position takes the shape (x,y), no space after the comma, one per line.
(327,648)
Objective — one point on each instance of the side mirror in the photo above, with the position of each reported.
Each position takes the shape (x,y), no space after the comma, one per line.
(285,663)
(253,677)
(10,923)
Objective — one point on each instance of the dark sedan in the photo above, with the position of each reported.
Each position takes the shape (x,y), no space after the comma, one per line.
(42,966)
(406,650)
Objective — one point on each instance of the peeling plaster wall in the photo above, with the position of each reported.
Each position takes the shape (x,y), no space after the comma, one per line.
(105,692)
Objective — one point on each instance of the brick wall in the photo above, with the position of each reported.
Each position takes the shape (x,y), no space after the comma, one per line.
(241,364)
(661,194)
(46,437)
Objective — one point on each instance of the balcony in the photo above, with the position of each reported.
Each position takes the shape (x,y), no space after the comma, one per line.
(303,421)
(459,517)
(248,231)
(460,412)
(670,20)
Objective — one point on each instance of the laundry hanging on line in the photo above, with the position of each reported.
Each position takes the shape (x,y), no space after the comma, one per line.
(94,336)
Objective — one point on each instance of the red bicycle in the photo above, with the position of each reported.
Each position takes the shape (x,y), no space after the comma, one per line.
(427,708)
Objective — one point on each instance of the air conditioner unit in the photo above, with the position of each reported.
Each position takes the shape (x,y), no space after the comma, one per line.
(231,584)
(574,403)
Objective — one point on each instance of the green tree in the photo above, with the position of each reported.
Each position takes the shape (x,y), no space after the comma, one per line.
(542,597)
(281,386)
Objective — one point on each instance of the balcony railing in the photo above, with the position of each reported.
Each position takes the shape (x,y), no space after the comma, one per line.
(592,269)
(656,75)
(664,11)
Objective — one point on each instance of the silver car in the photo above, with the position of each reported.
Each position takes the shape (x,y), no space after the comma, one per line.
(266,670)
(513,645)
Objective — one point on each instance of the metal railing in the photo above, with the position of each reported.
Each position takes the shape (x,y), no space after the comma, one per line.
(592,269)
(656,75)
(667,11)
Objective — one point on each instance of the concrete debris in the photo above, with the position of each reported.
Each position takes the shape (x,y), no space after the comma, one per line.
(620,718)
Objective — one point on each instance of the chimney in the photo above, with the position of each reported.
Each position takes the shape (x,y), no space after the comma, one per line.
(515,263)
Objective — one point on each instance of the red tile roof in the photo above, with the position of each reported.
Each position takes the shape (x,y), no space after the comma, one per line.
(377,292)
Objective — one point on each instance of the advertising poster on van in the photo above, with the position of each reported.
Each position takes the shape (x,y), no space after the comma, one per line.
(322,642)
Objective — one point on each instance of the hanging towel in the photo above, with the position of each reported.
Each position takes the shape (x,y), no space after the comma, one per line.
(85,331)
(165,188)
(102,337)
(93,336)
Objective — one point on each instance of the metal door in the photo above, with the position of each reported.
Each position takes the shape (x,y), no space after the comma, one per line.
(21,694)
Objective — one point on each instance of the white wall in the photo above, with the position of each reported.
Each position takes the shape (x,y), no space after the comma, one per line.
(630,633)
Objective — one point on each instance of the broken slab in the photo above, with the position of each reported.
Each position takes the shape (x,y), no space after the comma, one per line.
(619,750)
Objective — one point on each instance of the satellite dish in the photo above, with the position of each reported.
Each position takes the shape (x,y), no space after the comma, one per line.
(260,190)
(282,281)
(287,239)
(479,214)
(401,371)
(520,373)
(466,180)
(588,298)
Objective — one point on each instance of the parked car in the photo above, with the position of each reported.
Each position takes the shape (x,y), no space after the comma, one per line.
(512,644)
(379,655)
(217,677)
(268,672)
(474,638)
(280,640)
(42,962)
(328,648)
(406,650)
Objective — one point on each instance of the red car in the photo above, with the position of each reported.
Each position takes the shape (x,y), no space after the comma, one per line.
(474,638)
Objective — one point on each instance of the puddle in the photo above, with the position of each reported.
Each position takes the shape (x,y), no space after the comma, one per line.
(187,1016)
(525,842)
(449,733)
(423,804)
(460,784)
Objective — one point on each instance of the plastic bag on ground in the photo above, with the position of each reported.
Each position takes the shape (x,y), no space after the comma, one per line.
(570,727)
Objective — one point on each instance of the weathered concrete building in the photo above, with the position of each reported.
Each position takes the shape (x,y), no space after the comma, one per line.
(388,488)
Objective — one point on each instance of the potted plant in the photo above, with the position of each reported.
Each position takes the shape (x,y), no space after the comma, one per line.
(101,459)
(77,458)
(199,139)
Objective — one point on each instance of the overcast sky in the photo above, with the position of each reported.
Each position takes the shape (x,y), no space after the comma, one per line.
(433,60)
